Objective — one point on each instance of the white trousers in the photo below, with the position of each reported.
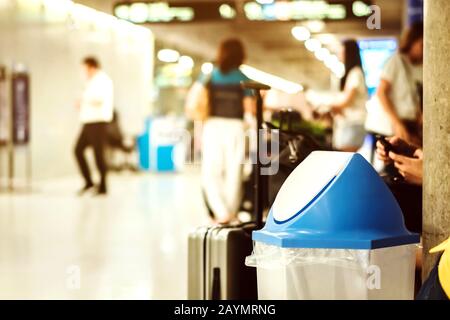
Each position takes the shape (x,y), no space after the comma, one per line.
(223,151)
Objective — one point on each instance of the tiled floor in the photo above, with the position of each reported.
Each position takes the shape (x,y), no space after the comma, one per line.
(131,244)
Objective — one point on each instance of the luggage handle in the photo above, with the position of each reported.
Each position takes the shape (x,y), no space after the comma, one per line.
(257,88)
(293,152)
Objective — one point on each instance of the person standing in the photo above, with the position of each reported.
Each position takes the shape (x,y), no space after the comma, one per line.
(400,89)
(349,113)
(96,111)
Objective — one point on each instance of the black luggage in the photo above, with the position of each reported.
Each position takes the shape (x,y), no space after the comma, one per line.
(216,255)
(216,267)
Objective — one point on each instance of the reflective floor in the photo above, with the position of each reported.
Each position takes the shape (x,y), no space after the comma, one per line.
(131,244)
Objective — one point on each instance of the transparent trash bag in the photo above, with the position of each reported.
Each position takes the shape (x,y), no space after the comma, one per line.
(305,273)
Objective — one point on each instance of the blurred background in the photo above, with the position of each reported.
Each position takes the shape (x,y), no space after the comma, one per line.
(132,243)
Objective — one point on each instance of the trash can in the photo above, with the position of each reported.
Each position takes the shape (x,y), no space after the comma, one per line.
(335,231)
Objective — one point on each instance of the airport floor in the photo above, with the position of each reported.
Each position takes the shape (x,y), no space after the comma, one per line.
(131,244)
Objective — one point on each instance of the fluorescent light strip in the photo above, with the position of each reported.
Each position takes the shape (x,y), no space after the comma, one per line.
(271,80)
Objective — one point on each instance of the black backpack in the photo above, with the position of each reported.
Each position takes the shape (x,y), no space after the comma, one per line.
(296,143)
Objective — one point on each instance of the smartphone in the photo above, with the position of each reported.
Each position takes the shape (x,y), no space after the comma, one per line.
(386,144)
(403,148)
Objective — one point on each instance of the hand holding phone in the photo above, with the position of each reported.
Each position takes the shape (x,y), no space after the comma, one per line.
(399,147)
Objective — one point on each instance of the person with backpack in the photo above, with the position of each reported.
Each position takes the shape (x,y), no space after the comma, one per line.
(223,137)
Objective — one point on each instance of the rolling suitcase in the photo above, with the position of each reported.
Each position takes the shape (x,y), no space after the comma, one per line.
(216,255)
(216,263)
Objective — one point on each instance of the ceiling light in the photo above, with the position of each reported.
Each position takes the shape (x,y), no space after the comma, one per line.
(322,53)
(316,26)
(282,11)
(265,1)
(122,12)
(207,68)
(300,33)
(271,80)
(253,11)
(168,55)
(331,60)
(312,44)
(226,11)
(138,13)
(186,62)
(339,69)
(361,9)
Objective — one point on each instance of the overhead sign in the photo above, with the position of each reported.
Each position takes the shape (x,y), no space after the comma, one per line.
(168,11)
(255,10)
(294,10)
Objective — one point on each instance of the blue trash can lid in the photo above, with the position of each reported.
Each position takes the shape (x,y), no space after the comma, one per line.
(335,200)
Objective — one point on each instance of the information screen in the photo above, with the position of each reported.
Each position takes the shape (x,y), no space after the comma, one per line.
(21,108)
(374,54)
(175,12)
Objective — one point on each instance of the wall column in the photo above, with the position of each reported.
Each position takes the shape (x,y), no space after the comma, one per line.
(436,183)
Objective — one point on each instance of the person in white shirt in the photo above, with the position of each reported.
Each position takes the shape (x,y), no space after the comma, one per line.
(349,112)
(96,111)
(400,89)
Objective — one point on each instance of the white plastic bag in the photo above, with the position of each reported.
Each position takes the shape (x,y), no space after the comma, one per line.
(313,273)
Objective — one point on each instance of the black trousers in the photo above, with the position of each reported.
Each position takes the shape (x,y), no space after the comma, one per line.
(94,135)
